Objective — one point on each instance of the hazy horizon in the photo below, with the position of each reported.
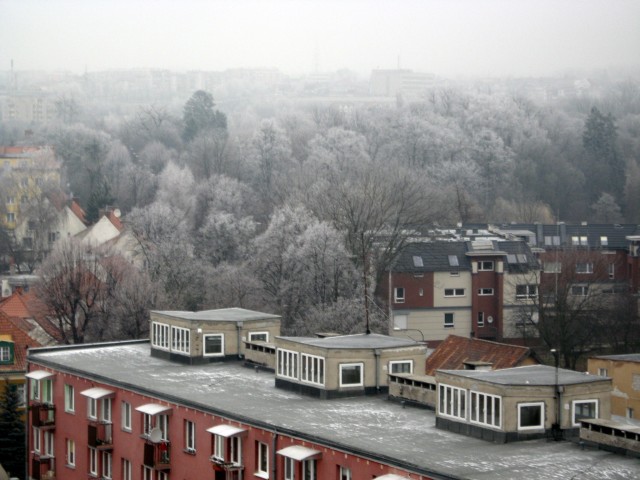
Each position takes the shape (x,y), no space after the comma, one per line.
(450,38)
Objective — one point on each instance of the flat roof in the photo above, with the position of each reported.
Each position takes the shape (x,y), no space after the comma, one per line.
(628,357)
(359,340)
(368,426)
(539,375)
(219,315)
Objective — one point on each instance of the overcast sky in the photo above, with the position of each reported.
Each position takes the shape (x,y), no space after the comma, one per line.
(445,37)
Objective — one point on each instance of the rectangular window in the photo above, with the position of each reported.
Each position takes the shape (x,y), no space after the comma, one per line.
(92,408)
(485,409)
(603,372)
(147,473)
(401,366)
(69,400)
(351,374)
(235,455)
(454,274)
(262,463)
(106,465)
(126,470)
(580,290)
(584,267)
(218,447)
(48,443)
(485,266)
(11,217)
(287,364)
(71,453)
(551,240)
(160,335)
(93,461)
(126,416)
(531,416)
(36,439)
(398,295)
(309,470)
(213,345)
(604,241)
(5,354)
(162,422)
(526,291)
(312,369)
(180,340)
(454,292)
(552,267)
(400,322)
(289,468)
(105,411)
(483,292)
(190,436)
(448,320)
(629,413)
(612,271)
(481,319)
(584,409)
(258,336)
(11,200)
(452,401)
(147,423)
(344,473)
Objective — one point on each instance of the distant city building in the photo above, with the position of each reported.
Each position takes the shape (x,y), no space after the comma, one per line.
(390,83)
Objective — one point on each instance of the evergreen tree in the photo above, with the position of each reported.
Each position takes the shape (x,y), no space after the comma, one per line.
(12,432)
(199,115)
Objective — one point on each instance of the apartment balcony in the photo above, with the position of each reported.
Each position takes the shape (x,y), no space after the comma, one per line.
(42,467)
(43,415)
(158,455)
(100,435)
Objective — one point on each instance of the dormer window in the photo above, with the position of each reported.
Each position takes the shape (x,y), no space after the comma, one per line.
(485,266)
(6,353)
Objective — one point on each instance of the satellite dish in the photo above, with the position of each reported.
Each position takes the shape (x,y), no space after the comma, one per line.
(490,319)
(155,435)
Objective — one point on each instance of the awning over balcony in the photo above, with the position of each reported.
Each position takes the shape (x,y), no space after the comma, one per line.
(391,476)
(97,393)
(154,409)
(39,374)
(227,431)
(300,453)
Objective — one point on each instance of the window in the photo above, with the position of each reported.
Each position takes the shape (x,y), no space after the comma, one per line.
(485,409)
(71,453)
(351,374)
(180,340)
(162,422)
(580,290)
(483,292)
(309,470)
(584,409)
(485,266)
(126,469)
(454,292)
(401,366)
(417,261)
(147,423)
(105,411)
(400,322)
(218,447)
(287,364)
(531,416)
(6,354)
(454,274)
(11,217)
(106,465)
(162,475)
(603,372)
(36,439)
(452,401)
(526,291)
(160,335)
(48,443)
(126,416)
(258,336)
(312,369)
(611,268)
(69,401)
(552,267)
(235,455)
(579,240)
(604,241)
(21,395)
(93,461)
(289,469)
(53,236)
(629,412)
(584,267)
(552,240)
(147,473)
(448,320)
(92,408)
(190,436)
(453,261)
(262,462)
(344,473)
(213,345)
(398,295)
(481,319)
(11,200)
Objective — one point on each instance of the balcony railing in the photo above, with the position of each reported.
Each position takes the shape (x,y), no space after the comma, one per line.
(43,415)
(158,455)
(42,468)
(100,435)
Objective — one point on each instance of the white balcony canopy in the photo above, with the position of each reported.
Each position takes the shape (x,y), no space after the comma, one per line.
(153,408)
(39,374)
(97,393)
(391,476)
(226,430)
(300,453)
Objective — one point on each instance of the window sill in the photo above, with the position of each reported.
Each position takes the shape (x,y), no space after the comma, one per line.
(68,465)
(191,451)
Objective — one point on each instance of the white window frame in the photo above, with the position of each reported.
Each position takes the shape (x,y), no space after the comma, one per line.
(530,290)
(160,335)
(162,422)
(552,267)
(452,402)
(452,324)
(393,363)
(69,399)
(573,409)
(584,267)
(481,319)
(190,436)
(93,461)
(147,423)
(611,269)
(235,450)
(262,466)
(312,369)
(71,453)
(147,473)
(48,446)
(126,469)
(603,372)
(580,290)
(344,473)
(204,345)
(287,363)
(180,340)
(106,410)
(400,322)
(540,426)
(92,408)
(485,292)
(36,439)
(218,447)
(454,292)
(397,298)
(485,266)
(485,416)
(5,353)
(309,469)
(261,334)
(125,416)
(289,468)
(107,465)
(360,365)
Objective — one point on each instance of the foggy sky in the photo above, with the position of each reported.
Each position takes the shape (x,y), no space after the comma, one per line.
(445,37)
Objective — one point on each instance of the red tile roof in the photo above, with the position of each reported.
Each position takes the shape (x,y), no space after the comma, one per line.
(26,305)
(454,351)
(21,341)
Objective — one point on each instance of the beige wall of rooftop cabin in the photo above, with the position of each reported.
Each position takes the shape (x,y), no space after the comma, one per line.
(431,323)
(442,280)
(626,392)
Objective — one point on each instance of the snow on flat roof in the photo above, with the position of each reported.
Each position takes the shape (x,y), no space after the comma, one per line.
(366,424)
(219,315)
(528,375)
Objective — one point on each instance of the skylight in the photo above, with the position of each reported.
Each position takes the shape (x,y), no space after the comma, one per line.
(453,261)
(417,261)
